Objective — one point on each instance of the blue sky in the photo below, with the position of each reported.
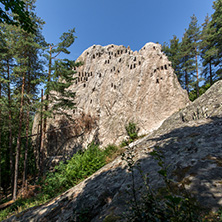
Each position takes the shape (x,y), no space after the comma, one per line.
(120,22)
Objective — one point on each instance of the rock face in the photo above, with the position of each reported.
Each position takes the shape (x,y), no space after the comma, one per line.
(115,86)
(191,143)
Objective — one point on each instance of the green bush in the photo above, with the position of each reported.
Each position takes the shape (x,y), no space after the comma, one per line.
(132,131)
(79,167)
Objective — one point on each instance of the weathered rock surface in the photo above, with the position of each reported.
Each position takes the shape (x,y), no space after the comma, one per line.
(192,144)
(114,86)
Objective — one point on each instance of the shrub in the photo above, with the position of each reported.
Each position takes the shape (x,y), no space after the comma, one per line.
(132,131)
(79,167)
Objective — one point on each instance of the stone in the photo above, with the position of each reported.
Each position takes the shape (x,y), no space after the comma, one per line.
(115,86)
(192,146)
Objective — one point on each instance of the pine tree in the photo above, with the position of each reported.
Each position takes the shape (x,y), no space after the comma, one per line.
(173,54)
(194,36)
(208,52)
(216,36)
(59,78)
(27,49)
(186,61)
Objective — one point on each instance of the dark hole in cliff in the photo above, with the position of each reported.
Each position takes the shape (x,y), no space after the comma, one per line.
(157,80)
(131,67)
(110,57)
(88,75)
(154,70)
(87,53)
(91,73)
(100,75)
(165,66)
(79,74)
(86,78)
(90,101)
(111,84)
(81,78)
(105,62)
(144,47)
(115,54)
(76,81)
(111,70)
(118,52)
(109,53)
(74,111)
(126,51)
(84,85)
(121,51)
(108,61)
(85,73)
(134,66)
(154,47)
(129,53)
(139,63)
(161,78)
(114,68)
(93,56)
(134,59)
(114,86)
(120,60)
(161,67)
(169,65)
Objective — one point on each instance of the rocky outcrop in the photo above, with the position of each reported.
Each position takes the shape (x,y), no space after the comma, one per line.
(114,86)
(192,145)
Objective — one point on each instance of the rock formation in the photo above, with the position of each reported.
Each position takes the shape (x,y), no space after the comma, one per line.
(114,86)
(191,143)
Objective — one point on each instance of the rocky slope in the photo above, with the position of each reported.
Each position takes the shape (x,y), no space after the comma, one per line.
(192,144)
(114,86)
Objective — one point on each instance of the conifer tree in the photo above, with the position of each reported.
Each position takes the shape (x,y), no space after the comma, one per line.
(27,48)
(59,78)
(208,52)
(173,54)
(194,36)
(186,61)
(216,35)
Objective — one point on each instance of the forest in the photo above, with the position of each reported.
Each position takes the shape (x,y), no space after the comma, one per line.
(32,75)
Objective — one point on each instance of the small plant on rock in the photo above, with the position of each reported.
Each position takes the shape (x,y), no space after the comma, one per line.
(170,203)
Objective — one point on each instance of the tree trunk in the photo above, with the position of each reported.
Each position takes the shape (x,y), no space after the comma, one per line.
(10,148)
(0,138)
(211,76)
(186,81)
(24,179)
(197,71)
(43,149)
(18,145)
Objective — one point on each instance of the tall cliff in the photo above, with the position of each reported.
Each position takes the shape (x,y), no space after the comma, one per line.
(114,86)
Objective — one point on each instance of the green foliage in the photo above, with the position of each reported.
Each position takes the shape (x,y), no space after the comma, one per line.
(20,16)
(79,167)
(132,131)
(170,203)
(202,90)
